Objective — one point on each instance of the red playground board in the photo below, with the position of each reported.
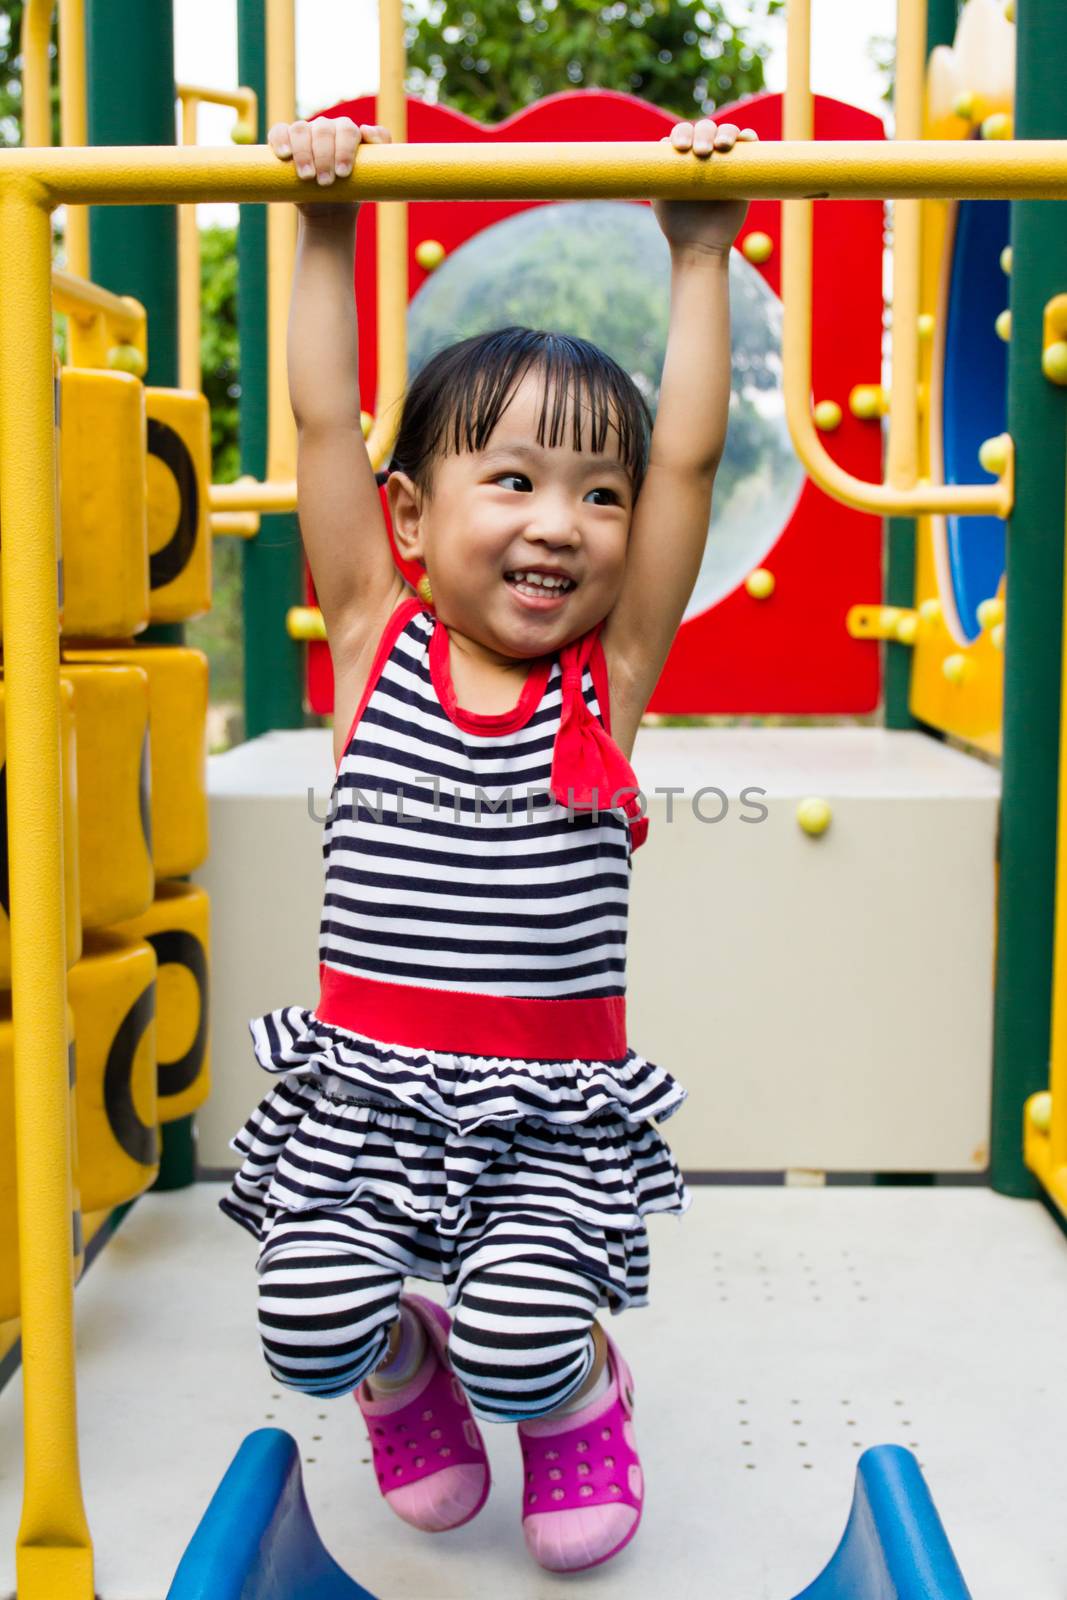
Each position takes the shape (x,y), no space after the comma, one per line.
(790,653)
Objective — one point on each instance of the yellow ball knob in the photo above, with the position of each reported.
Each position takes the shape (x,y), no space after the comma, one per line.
(867,400)
(757,247)
(997,126)
(127,358)
(429,254)
(963,106)
(930,610)
(954,668)
(993,454)
(813,815)
(366,422)
(243,133)
(926,325)
(1005,261)
(760,583)
(906,629)
(1009,11)
(1039,1109)
(1003,326)
(991,611)
(1054,361)
(827,416)
(997,636)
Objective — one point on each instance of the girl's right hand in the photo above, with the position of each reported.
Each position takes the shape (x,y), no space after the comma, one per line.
(322,150)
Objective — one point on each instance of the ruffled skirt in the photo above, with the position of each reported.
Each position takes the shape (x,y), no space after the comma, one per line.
(440,1163)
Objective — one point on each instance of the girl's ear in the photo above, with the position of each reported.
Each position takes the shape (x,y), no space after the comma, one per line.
(405,514)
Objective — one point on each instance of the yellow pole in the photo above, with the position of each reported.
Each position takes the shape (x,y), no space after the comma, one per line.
(74,120)
(281,246)
(902,448)
(1055,1177)
(392,260)
(901,495)
(54,1554)
(36,73)
(188,270)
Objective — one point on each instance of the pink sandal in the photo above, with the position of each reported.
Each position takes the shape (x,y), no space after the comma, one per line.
(428,1453)
(582,1483)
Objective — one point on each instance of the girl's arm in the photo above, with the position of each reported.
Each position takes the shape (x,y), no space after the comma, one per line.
(338,503)
(670,522)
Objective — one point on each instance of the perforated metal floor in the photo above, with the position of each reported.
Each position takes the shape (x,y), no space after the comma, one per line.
(790,1328)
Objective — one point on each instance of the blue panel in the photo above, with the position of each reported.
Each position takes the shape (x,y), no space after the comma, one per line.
(256,1540)
(894,1546)
(974,404)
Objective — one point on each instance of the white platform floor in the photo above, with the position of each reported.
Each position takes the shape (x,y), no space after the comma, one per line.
(790,1328)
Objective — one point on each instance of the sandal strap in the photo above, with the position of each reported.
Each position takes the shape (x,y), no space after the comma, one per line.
(592,1462)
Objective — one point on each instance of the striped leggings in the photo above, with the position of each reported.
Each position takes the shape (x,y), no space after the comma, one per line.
(520,1341)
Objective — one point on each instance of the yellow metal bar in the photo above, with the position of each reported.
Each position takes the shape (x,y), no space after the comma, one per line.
(902,497)
(242,524)
(281,245)
(99,321)
(74,120)
(902,446)
(54,1553)
(1032,169)
(246,494)
(188,268)
(392,262)
(36,73)
(191,97)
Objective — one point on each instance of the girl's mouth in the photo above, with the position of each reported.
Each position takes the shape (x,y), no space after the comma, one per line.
(541,590)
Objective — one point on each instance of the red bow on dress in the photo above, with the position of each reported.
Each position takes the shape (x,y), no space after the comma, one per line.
(588,768)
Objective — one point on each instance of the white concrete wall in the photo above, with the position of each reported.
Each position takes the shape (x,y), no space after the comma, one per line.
(827,1002)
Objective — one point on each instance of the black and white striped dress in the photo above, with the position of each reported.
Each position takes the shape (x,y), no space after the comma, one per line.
(463,1091)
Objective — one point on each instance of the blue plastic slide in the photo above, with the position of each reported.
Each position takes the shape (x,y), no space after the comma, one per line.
(257,1540)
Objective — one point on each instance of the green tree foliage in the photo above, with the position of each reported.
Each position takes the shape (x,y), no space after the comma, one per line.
(11,75)
(219,357)
(491,59)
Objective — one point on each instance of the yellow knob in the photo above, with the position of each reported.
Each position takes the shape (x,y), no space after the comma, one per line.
(1009,11)
(954,668)
(429,254)
(867,400)
(1003,326)
(760,583)
(991,611)
(997,636)
(366,422)
(1054,361)
(243,133)
(827,416)
(757,247)
(127,358)
(813,815)
(1039,1108)
(963,105)
(930,610)
(993,454)
(926,324)
(1005,261)
(998,126)
(906,629)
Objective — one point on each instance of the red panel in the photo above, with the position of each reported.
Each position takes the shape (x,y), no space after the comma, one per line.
(790,653)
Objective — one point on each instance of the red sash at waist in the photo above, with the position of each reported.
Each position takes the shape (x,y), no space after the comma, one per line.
(461,1023)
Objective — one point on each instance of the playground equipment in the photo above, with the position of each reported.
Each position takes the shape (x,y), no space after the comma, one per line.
(116,970)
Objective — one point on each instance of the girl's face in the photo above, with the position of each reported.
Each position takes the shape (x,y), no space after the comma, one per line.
(520,507)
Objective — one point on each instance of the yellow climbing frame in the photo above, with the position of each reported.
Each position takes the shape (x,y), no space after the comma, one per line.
(54,1550)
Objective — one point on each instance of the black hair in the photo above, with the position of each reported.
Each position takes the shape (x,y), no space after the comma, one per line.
(460,393)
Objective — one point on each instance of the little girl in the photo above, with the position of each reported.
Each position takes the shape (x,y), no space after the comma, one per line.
(462,1104)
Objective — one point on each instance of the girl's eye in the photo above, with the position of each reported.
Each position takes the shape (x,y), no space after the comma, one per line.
(614,500)
(521,476)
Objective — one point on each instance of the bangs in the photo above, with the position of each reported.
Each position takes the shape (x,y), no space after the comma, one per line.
(459,396)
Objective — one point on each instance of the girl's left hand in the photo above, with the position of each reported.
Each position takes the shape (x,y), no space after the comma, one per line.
(710,225)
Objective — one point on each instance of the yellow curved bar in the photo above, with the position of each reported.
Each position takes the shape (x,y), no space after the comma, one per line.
(901,495)
(902,445)
(74,120)
(98,320)
(281,244)
(190,98)
(392,263)
(54,1552)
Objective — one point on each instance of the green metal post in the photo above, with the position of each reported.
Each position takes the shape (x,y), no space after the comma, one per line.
(1037,421)
(274,559)
(901,531)
(130,68)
